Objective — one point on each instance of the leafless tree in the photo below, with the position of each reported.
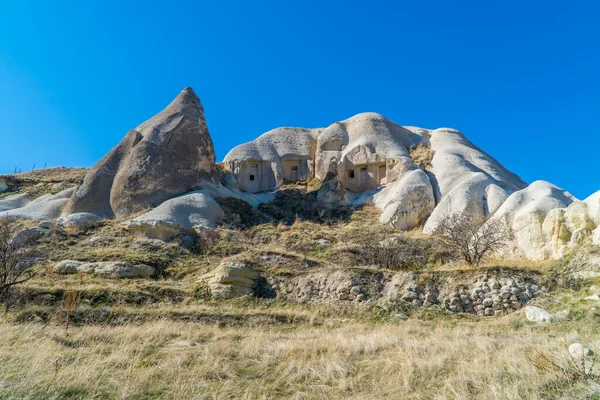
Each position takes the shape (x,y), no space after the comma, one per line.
(473,237)
(18,255)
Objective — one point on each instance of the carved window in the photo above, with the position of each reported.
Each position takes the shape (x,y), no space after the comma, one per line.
(351,174)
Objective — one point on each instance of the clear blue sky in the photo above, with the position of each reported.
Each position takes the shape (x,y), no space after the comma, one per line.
(520,78)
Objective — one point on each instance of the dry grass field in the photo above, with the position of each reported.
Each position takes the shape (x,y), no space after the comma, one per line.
(318,359)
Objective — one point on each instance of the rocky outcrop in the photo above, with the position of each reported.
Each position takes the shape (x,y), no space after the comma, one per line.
(164,157)
(538,315)
(417,177)
(370,156)
(190,213)
(45,207)
(14,201)
(264,164)
(465,179)
(106,269)
(535,226)
(230,279)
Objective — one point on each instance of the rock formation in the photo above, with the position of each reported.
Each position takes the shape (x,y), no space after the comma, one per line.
(44,207)
(417,177)
(230,279)
(189,213)
(14,201)
(168,155)
(283,154)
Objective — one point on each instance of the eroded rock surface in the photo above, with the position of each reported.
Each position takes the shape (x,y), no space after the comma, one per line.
(166,156)
(189,213)
(105,269)
(230,279)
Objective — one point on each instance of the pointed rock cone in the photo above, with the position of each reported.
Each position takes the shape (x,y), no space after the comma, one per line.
(168,155)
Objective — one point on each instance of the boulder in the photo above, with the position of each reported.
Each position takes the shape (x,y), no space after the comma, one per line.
(106,269)
(120,269)
(230,279)
(579,351)
(79,220)
(537,315)
(67,266)
(164,157)
(190,213)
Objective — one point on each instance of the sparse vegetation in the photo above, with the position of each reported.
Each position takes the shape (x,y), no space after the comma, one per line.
(403,253)
(43,181)
(422,154)
(473,237)
(81,336)
(17,258)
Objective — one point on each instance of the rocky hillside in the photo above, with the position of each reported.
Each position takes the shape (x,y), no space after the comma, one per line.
(163,182)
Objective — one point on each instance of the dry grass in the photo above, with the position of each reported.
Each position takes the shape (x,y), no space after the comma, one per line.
(167,360)
(422,155)
(52,175)
(42,181)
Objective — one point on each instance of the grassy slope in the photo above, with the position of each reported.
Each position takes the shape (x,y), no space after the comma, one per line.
(139,339)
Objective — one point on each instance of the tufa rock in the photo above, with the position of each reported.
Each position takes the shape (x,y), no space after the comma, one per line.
(106,269)
(230,279)
(166,156)
(538,315)
(190,213)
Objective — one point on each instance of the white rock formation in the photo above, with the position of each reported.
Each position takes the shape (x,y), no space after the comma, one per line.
(44,207)
(465,179)
(406,203)
(367,150)
(282,154)
(538,315)
(192,212)
(533,216)
(14,201)
(365,158)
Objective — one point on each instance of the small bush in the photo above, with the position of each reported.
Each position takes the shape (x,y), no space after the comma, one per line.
(402,253)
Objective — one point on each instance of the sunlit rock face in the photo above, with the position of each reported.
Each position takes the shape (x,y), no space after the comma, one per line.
(278,156)
(166,156)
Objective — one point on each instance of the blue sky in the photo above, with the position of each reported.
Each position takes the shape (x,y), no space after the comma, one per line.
(520,78)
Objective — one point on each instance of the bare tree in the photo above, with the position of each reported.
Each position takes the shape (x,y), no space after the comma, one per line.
(473,237)
(18,255)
